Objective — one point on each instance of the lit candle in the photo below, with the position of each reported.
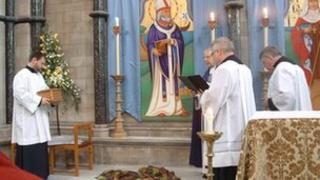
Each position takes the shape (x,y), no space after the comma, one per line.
(116,19)
(265,12)
(208,118)
(212,16)
(117,24)
(213,31)
(265,28)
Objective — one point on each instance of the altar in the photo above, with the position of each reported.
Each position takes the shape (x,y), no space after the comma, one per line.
(281,145)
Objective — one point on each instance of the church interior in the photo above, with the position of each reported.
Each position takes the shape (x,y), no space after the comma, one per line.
(119,108)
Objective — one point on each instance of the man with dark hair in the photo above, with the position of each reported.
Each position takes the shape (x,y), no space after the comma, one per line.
(288,89)
(30,122)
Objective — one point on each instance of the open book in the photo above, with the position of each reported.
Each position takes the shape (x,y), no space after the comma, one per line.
(161,45)
(195,83)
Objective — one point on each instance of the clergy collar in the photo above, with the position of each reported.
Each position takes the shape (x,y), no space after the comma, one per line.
(31,69)
(163,29)
(232,58)
(282,59)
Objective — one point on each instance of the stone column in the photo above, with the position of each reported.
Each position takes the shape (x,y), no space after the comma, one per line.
(37,13)
(2,66)
(100,17)
(233,16)
(9,58)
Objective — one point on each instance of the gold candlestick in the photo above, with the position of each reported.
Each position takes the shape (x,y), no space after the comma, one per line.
(118,124)
(212,24)
(209,138)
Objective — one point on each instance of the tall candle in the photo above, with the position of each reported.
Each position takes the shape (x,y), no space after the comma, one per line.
(208,118)
(265,28)
(117,23)
(213,31)
(266,36)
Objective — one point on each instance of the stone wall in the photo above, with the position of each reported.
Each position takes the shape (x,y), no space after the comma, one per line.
(22,35)
(71,20)
(2,65)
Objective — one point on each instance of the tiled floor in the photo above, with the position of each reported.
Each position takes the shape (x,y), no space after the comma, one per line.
(185,173)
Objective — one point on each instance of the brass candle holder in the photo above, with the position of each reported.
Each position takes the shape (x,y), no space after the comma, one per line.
(116,30)
(210,138)
(265,22)
(212,24)
(119,131)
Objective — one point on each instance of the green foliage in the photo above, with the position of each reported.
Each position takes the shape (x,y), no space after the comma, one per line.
(142,29)
(56,72)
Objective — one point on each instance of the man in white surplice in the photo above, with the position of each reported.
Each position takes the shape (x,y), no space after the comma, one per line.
(30,123)
(288,89)
(230,98)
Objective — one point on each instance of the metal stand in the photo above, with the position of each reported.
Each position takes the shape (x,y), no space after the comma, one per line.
(118,127)
(209,138)
(58,121)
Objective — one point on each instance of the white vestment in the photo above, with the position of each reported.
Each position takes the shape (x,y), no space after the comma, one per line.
(288,88)
(30,123)
(231,98)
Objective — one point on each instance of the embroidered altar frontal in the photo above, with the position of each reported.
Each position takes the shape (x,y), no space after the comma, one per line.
(281,149)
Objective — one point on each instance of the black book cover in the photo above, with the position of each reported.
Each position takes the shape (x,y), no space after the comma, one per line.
(195,83)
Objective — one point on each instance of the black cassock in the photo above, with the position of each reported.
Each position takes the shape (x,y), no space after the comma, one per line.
(196,149)
(34,159)
(195,157)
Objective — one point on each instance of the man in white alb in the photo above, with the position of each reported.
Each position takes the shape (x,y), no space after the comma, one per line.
(30,123)
(288,89)
(230,98)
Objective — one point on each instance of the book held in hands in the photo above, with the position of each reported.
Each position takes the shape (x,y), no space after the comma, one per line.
(195,82)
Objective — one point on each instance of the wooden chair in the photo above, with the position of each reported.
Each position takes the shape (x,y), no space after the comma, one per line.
(75,144)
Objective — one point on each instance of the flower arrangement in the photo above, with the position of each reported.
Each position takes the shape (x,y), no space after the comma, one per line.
(56,73)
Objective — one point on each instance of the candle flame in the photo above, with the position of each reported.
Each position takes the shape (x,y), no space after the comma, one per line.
(265,12)
(212,16)
(116,19)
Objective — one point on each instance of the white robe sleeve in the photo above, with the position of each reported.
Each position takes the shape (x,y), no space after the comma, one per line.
(219,89)
(283,95)
(247,94)
(22,94)
(303,93)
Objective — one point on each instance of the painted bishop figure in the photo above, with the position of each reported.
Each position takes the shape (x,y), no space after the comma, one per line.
(165,50)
